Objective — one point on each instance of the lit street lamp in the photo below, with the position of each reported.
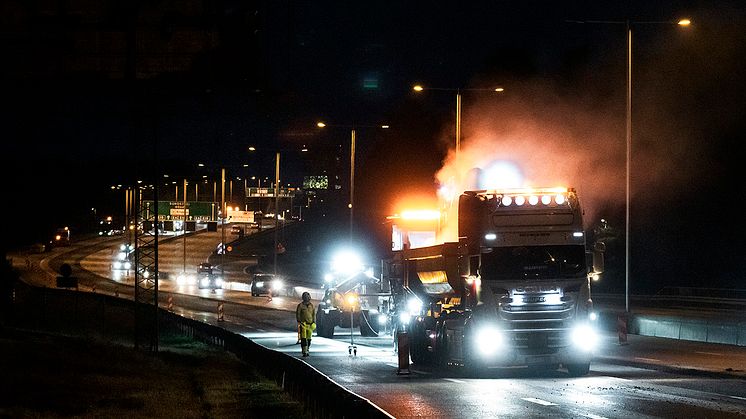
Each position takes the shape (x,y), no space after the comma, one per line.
(350,205)
(628,24)
(420,88)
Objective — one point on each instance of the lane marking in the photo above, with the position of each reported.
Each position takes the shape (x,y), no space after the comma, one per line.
(592,416)
(708,353)
(393,365)
(453,380)
(647,359)
(539,401)
(737,397)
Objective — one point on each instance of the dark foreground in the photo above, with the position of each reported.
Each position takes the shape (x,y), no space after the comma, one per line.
(51,375)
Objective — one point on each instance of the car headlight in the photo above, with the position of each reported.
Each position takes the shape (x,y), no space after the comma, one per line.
(204,282)
(488,340)
(404,317)
(259,284)
(585,337)
(117,265)
(127,265)
(277,284)
(219,282)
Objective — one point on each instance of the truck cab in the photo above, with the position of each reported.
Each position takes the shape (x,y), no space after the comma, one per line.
(513,291)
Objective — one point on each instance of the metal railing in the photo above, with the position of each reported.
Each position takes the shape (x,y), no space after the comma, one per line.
(109,318)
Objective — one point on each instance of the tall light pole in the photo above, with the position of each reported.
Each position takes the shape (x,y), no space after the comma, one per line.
(628,139)
(351,203)
(420,88)
(183,229)
(277,201)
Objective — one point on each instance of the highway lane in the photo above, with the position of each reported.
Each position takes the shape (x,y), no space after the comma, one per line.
(611,390)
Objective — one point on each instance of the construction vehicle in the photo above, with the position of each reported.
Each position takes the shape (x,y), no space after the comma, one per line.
(515,290)
(353,298)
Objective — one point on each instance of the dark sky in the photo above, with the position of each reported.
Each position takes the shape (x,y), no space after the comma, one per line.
(82,109)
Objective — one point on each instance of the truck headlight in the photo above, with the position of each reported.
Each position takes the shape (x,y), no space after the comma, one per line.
(219,282)
(585,337)
(204,281)
(488,340)
(414,305)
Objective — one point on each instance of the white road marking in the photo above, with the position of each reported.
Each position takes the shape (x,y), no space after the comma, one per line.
(393,365)
(708,353)
(453,380)
(539,401)
(592,416)
(737,397)
(647,359)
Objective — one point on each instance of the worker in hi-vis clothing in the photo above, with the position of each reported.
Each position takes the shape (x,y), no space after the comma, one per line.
(305,314)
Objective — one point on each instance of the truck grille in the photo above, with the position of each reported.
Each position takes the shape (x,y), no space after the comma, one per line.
(538,328)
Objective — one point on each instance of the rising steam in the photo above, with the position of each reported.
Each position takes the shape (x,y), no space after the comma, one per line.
(537,139)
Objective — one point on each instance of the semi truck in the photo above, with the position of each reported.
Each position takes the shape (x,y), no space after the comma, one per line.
(514,290)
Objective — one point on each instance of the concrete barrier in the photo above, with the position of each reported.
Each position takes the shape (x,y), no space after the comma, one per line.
(724,331)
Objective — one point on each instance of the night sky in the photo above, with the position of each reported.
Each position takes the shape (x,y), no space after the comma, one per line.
(92,91)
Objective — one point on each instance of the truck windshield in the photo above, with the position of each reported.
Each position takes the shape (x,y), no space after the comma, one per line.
(533,262)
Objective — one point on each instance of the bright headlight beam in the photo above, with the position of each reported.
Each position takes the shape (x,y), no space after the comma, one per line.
(487,340)
(585,337)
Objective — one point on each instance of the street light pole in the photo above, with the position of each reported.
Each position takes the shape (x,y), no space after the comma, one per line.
(628,165)
(277,197)
(420,88)
(458,121)
(351,203)
(628,159)
(183,225)
(352,179)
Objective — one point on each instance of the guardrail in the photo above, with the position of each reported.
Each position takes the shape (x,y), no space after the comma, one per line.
(112,319)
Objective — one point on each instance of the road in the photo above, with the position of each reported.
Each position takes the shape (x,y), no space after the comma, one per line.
(649,377)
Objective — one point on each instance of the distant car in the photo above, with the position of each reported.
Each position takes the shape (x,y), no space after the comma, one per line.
(204,268)
(262,283)
(61,237)
(207,279)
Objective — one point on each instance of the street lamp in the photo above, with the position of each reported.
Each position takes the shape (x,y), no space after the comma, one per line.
(350,205)
(628,25)
(420,88)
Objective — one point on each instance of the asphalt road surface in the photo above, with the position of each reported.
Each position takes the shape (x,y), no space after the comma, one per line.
(649,377)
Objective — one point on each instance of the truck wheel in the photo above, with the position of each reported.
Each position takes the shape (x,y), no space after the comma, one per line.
(579,370)
(418,346)
(325,324)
